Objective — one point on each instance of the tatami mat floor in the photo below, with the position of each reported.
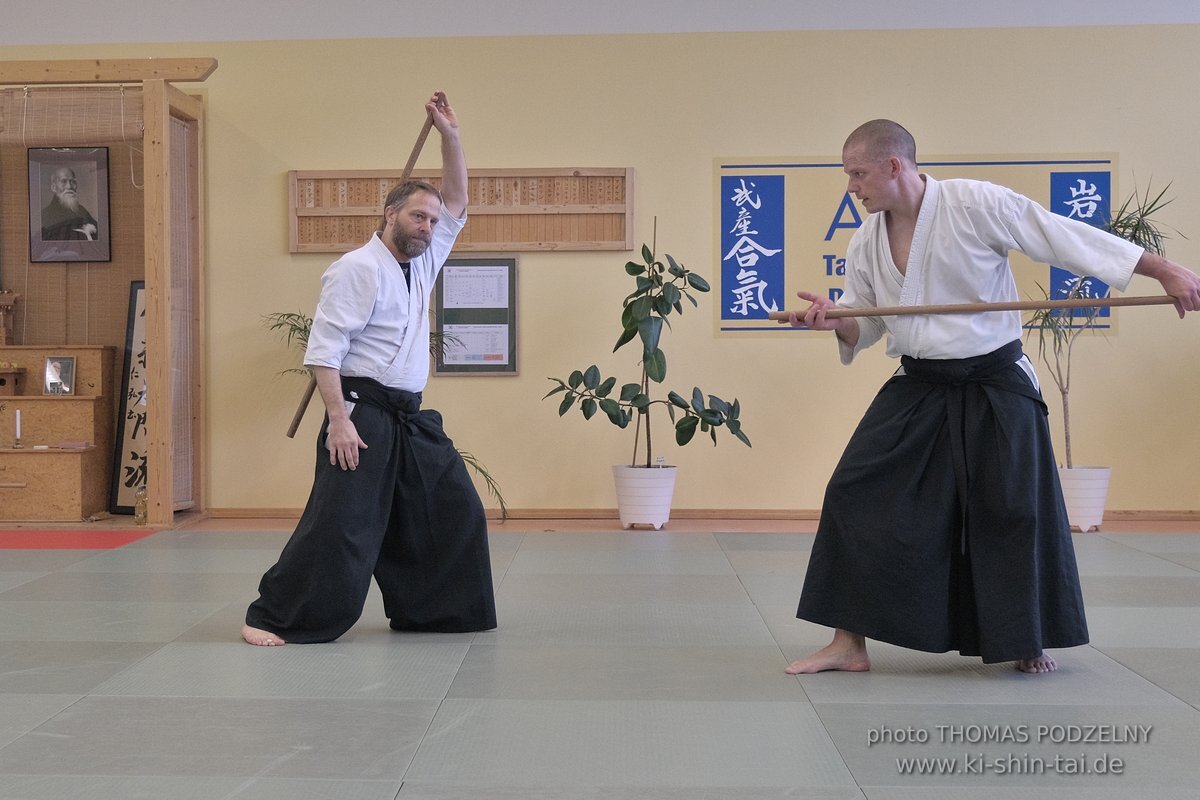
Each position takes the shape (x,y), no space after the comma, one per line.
(628,664)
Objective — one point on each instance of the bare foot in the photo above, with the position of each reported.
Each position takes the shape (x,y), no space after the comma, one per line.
(847,653)
(261,638)
(1041,663)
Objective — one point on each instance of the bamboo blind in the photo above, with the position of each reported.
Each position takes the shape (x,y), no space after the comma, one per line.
(68,116)
(510,210)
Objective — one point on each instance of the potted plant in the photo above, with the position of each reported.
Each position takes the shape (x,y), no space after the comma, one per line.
(645,486)
(296,326)
(1086,488)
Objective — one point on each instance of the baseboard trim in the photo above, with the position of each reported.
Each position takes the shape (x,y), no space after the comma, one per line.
(553,513)
(1150,516)
(1118,515)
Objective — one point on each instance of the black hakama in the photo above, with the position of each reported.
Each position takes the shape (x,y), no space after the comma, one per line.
(408,515)
(943,526)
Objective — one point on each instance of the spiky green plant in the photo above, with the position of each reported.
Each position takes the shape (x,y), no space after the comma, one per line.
(1133,220)
(1059,328)
(295,326)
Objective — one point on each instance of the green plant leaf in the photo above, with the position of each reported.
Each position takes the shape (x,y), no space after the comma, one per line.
(695,302)
(1133,220)
(603,389)
(616,415)
(678,400)
(718,404)
(566,404)
(555,390)
(640,401)
(685,429)
(630,391)
(627,319)
(626,337)
(650,329)
(697,283)
(647,256)
(697,400)
(591,377)
(674,267)
(295,325)
(575,379)
(634,268)
(492,487)
(588,406)
(655,365)
(671,294)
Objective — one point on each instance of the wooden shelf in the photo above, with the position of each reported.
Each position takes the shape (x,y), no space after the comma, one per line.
(52,483)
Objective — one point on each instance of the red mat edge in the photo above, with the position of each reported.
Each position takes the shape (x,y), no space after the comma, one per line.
(70,539)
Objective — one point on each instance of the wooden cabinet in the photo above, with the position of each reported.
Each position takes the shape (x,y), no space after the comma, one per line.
(51,478)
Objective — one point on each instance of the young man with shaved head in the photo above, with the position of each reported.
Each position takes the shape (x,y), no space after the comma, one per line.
(943,526)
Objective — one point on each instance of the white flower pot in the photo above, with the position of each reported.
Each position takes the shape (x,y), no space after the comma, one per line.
(644,494)
(1085,490)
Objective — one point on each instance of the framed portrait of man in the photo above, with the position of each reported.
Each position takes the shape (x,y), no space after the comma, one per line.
(60,375)
(68,204)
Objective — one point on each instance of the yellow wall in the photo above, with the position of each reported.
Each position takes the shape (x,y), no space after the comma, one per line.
(667,105)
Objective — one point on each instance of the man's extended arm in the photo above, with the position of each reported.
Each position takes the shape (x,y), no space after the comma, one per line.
(454,163)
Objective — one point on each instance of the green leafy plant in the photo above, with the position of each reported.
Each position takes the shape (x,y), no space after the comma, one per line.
(1058,329)
(295,327)
(660,289)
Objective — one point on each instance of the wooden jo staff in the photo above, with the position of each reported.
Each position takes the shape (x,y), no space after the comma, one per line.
(408,168)
(975,308)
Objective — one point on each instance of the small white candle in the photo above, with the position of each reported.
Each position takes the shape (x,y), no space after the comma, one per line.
(18,423)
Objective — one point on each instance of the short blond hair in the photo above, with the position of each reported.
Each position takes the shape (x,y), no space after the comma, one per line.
(883,138)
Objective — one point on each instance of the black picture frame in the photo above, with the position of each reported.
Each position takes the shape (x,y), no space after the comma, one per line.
(77,228)
(475,309)
(129,446)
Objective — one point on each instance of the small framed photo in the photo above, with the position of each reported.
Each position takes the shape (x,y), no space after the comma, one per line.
(68,204)
(60,375)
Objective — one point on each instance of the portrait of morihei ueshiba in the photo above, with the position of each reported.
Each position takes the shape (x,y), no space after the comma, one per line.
(68,204)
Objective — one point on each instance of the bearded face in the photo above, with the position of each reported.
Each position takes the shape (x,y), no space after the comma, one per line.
(410,226)
(409,245)
(64,186)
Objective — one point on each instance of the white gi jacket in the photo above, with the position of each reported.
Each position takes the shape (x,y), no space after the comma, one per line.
(959,254)
(367,323)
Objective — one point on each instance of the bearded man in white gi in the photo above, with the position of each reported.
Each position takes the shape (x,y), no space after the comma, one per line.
(391,498)
(943,526)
